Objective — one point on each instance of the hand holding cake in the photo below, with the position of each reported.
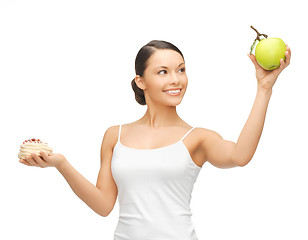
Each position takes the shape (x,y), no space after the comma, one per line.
(34,152)
(33,146)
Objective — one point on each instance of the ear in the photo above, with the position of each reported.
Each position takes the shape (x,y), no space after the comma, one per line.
(140,82)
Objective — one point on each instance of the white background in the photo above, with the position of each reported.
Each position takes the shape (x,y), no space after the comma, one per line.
(66,68)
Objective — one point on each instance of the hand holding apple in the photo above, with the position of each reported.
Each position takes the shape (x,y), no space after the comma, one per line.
(268,51)
(272,55)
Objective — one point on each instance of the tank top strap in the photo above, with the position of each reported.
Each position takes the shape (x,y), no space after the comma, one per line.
(187,133)
(119,132)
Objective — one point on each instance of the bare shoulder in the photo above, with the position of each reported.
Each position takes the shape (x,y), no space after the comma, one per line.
(203,138)
(204,134)
(214,149)
(110,137)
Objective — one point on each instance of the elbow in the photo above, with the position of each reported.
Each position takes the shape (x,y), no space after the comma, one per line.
(241,162)
(103,214)
(106,214)
(102,211)
(244,162)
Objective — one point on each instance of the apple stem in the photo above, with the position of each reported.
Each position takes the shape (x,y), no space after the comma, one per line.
(258,34)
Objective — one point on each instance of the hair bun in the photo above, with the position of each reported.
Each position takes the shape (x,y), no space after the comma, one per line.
(139,94)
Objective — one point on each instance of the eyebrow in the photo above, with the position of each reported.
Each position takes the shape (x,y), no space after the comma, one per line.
(167,67)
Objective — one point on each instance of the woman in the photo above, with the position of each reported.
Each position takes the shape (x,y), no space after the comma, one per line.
(152,164)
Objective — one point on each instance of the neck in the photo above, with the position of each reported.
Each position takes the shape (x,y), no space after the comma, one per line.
(156,117)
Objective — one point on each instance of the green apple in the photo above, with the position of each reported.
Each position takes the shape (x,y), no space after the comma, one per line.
(269,51)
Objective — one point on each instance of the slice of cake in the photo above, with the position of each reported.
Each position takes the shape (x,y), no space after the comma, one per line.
(33,146)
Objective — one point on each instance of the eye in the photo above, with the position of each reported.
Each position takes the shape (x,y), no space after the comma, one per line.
(161,71)
(182,69)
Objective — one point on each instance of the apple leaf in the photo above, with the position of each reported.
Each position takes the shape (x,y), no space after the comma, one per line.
(253,45)
(257,38)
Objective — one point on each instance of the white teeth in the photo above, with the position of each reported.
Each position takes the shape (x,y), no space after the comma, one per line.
(173,91)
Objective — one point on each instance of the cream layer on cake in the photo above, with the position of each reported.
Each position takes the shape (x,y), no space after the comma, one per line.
(33,146)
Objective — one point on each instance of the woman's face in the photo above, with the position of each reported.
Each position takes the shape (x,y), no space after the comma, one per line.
(165,71)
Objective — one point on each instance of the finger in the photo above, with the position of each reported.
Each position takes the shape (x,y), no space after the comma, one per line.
(31,160)
(286,62)
(282,65)
(40,162)
(254,60)
(24,161)
(288,55)
(44,156)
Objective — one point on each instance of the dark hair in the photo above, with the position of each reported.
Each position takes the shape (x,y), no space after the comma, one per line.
(141,63)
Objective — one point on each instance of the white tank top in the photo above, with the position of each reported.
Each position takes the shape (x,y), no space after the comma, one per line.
(154,192)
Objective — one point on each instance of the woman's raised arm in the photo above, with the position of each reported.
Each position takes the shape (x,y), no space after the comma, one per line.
(227,154)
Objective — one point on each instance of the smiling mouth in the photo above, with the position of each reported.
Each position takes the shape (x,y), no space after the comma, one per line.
(173,92)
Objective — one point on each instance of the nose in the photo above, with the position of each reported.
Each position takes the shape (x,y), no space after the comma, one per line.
(175,79)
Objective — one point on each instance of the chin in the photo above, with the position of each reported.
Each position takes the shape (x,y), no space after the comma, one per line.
(174,103)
